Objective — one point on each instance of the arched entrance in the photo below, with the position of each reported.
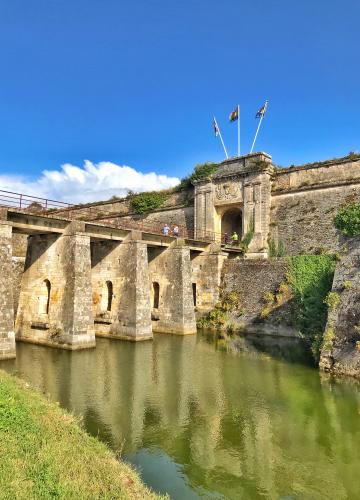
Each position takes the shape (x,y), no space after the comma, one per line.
(232,221)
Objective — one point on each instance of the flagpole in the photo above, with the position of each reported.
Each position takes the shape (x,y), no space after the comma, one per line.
(258,128)
(222,142)
(238,129)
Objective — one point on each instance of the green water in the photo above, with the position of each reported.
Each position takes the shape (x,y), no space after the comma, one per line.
(199,420)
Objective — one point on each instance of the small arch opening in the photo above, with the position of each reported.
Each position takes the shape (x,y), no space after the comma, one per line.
(44,298)
(194,293)
(156,294)
(110,295)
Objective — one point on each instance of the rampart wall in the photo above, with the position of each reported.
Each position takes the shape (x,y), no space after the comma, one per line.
(253,280)
(304,201)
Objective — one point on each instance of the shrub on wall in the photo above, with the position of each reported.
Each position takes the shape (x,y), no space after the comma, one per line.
(276,249)
(310,278)
(145,202)
(201,171)
(347,219)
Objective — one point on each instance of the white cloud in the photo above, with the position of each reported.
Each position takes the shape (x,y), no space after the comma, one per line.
(91,182)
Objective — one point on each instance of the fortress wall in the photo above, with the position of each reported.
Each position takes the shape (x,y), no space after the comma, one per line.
(330,173)
(182,216)
(118,207)
(306,199)
(252,279)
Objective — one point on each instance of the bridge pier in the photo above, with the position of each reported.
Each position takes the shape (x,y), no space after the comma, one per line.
(55,306)
(171,290)
(206,277)
(120,282)
(7,337)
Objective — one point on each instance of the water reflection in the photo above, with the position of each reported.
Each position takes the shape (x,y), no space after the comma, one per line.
(200,421)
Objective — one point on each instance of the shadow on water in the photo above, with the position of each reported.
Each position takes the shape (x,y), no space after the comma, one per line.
(200,419)
(289,349)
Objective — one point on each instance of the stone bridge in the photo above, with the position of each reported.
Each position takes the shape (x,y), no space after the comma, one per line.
(81,280)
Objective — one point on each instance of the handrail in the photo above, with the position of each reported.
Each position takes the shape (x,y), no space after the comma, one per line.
(44,206)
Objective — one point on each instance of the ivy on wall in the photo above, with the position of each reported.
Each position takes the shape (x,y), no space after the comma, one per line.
(310,278)
(347,220)
(148,201)
(201,171)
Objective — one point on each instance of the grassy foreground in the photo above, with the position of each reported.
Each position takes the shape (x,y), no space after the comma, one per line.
(44,453)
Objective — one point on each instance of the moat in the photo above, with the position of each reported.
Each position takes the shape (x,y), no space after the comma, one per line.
(201,420)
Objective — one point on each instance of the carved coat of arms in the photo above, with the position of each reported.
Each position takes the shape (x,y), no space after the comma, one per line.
(227,191)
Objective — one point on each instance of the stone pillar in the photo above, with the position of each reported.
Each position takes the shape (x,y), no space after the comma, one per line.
(120,284)
(171,269)
(7,337)
(132,319)
(206,270)
(76,319)
(55,303)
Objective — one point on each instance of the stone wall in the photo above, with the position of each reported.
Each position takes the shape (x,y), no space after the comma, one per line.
(306,199)
(182,216)
(341,348)
(18,264)
(55,306)
(121,290)
(171,289)
(252,280)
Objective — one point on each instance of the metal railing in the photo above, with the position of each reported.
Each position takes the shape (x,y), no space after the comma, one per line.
(29,203)
(52,208)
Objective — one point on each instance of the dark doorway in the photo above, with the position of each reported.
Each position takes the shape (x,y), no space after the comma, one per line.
(194,293)
(156,295)
(109,295)
(232,221)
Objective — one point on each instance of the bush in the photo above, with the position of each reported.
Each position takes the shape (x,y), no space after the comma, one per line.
(276,249)
(248,236)
(201,171)
(145,202)
(347,219)
(310,278)
(332,300)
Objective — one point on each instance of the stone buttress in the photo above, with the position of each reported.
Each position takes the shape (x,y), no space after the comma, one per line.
(171,289)
(55,303)
(120,283)
(7,338)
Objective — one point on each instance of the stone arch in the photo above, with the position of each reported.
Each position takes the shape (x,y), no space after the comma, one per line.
(44,297)
(231,221)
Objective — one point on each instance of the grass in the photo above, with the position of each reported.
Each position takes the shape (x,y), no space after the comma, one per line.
(44,452)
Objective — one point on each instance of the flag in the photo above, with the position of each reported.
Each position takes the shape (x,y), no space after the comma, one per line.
(261,111)
(234,115)
(216,128)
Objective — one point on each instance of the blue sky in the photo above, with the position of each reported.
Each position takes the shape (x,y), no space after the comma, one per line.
(136,82)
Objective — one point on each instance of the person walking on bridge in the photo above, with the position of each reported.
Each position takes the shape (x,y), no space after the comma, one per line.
(166,230)
(176,230)
(235,238)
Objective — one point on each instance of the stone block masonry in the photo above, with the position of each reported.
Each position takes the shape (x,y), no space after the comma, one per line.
(121,291)
(254,280)
(7,337)
(206,268)
(171,289)
(55,303)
